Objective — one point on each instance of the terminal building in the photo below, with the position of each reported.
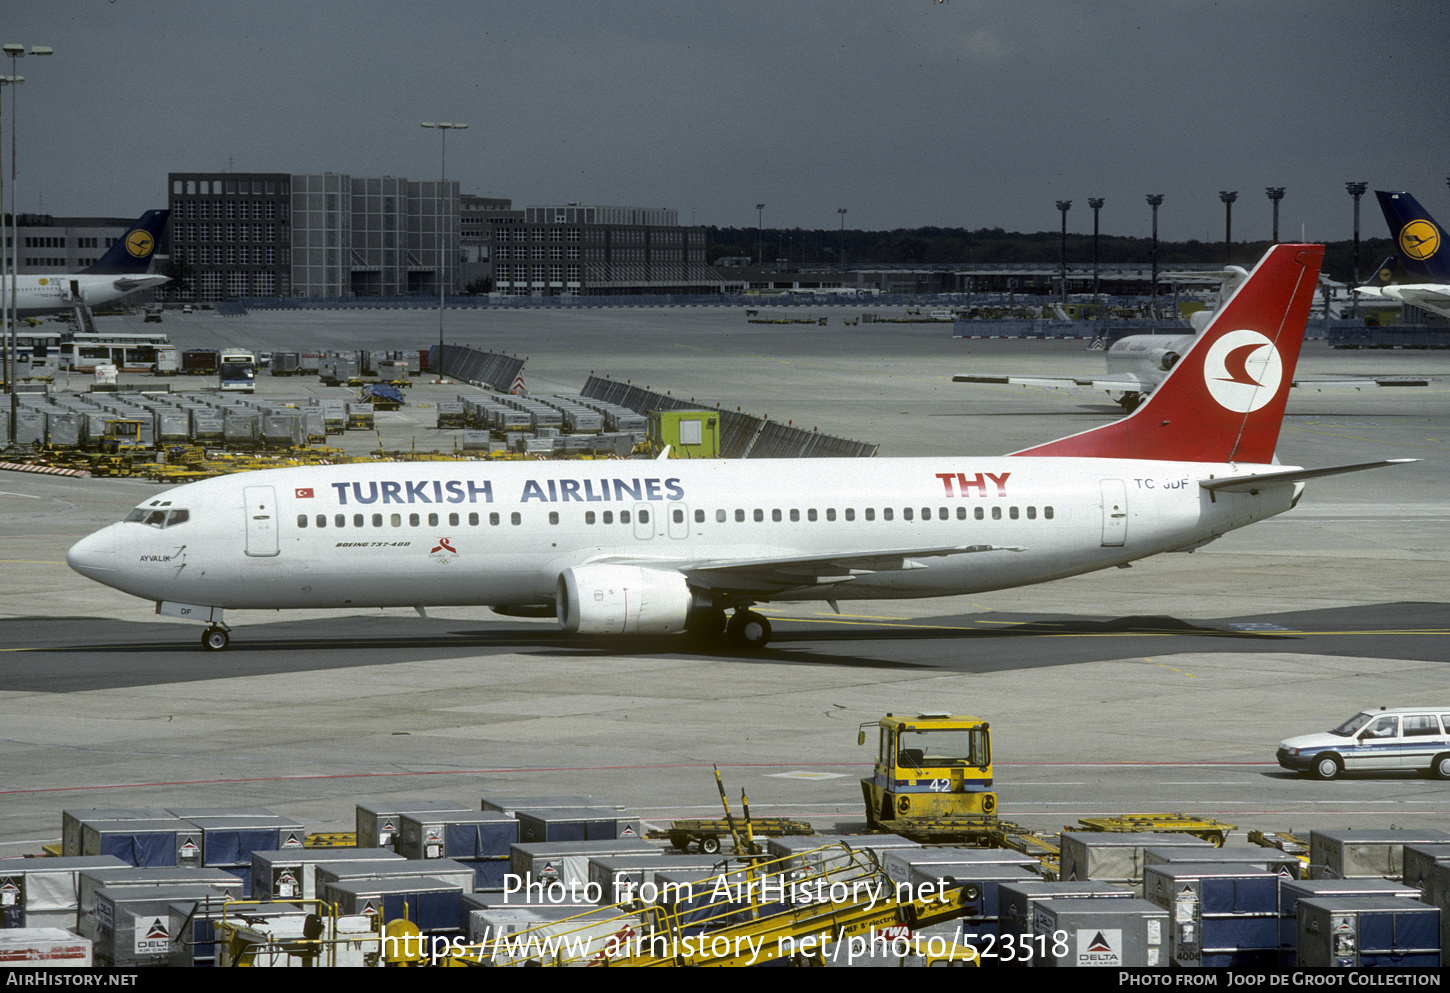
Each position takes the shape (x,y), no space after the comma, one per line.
(328,235)
(61,244)
(572,249)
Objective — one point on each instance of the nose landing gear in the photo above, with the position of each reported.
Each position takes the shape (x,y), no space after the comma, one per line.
(215,639)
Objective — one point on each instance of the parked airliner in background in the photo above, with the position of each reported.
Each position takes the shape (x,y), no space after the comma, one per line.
(1423,255)
(667,546)
(120,271)
(1139,363)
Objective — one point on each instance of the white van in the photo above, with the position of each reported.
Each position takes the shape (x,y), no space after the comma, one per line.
(1375,740)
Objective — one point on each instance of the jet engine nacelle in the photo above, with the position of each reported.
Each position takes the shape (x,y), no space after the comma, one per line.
(624,599)
(1163,359)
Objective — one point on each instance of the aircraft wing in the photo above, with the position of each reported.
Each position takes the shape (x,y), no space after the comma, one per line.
(1109,384)
(766,575)
(1368,383)
(1433,297)
(1250,484)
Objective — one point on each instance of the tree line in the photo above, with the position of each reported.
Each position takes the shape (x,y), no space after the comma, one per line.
(961,246)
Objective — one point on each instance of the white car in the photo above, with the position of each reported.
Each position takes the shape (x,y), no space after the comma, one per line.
(1375,740)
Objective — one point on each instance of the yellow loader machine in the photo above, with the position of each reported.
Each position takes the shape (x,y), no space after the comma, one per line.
(930,767)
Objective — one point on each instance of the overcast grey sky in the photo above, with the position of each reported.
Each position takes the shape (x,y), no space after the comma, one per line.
(905,112)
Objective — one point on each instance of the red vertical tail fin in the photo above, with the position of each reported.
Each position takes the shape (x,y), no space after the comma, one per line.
(1224,400)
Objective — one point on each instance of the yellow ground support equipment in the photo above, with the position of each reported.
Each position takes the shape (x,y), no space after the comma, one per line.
(122,436)
(256,934)
(691,434)
(928,768)
(1206,828)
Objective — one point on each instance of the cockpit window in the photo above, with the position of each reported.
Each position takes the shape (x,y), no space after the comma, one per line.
(157,517)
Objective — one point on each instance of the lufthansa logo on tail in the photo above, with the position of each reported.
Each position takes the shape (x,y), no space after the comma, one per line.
(1419,240)
(1243,371)
(140,243)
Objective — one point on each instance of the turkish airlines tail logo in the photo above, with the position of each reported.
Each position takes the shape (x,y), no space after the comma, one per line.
(1243,371)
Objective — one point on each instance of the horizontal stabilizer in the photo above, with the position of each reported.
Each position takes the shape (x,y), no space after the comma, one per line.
(1250,484)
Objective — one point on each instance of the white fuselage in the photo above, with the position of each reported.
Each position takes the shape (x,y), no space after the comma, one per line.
(479,533)
(48,294)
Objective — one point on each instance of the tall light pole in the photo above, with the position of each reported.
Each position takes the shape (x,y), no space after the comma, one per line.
(1155,200)
(760,236)
(842,259)
(14,52)
(1228,197)
(1275,193)
(1356,190)
(443,130)
(1064,206)
(1096,203)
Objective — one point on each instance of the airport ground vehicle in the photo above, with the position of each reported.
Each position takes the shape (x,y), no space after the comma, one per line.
(1400,738)
(929,767)
(238,370)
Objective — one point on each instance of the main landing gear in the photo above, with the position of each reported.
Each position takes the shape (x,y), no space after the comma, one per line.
(749,629)
(215,639)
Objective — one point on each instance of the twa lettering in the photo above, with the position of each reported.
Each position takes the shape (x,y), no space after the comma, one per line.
(960,484)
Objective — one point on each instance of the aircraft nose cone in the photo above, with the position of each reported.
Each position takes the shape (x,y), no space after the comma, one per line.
(94,556)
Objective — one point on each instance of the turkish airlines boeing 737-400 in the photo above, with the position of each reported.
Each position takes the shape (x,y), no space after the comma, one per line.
(666,546)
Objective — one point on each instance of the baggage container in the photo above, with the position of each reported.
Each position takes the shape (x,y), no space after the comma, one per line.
(280,876)
(40,893)
(1435,891)
(1367,932)
(1419,859)
(378,821)
(314,425)
(282,428)
(72,820)
(469,835)
(511,805)
(450,415)
(576,824)
(90,882)
(1271,859)
(980,920)
(475,441)
(334,415)
(63,428)
(1115,857)
(435,905)
(173,426)
(1356,854)
(714,900)
(567,862)
(901,865)
(228,842)
(1291,891)
(1015,902)
(489,873)
(241,426)
(618,878)
(158,843)
(45,948)
(1096,933)
(308,362)
(29,426)
(200,361)
(360,415)
(286,363)
(1224,914)
(134,927)
(447,870)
